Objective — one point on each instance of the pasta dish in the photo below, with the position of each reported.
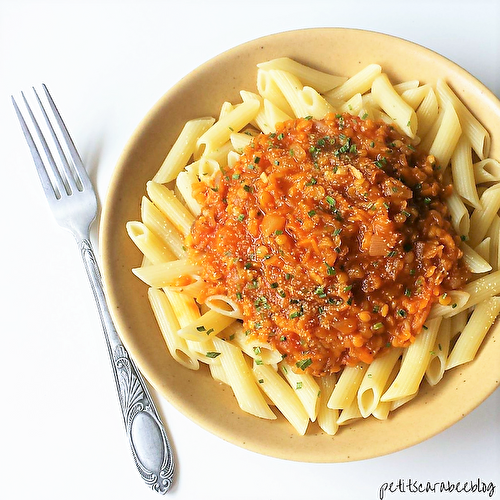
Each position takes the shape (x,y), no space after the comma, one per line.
(326,245)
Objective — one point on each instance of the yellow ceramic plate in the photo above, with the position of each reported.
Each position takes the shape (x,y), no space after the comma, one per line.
(194,393)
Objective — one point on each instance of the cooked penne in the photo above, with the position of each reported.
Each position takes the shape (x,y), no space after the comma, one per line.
(306,388)
(383,408)
(414,364)
(283,396)
(270,91)
(261,119)
(274,114)
(456,300)
(162,227)
(239,377)
(170,206)
(473,334)
(166,273)
(168,324)
(439,354)
(184,184)
(320,80)
(484,250)
(482,217)
(374,381)
(393,104)
(217,135)
(486,171)
(258,350)
(427,113)
(477,134)
(350,413)
(359,83)
(478,291)
(327,418)
(347,387)
(207,325)
(413,94)
(153,248)
(463,172)
(494,235)
(460,218)
(182,150)
(447,137)
(475,262)
(304,101)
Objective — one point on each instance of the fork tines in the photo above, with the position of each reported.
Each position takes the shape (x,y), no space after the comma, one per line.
(61,175)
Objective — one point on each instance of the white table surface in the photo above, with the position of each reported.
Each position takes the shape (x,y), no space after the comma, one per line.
(106,63)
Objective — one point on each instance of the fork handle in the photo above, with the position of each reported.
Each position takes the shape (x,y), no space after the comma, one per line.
(148,440)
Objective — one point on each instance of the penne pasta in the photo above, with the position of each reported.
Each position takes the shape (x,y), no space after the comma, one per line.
(217,135)
(320,80)
(168,324)
(153,248)
(447,137)
(327,418)
(306,388)
(482,218)
(394,105)
(470,339)
(359,83)
(463,172)
(439,354)
(486,171)
(477,134)
(374,381)
(414,364)
(239,377)
(183,148)
(155,221)
(166,274)
(283,396)
(347,386)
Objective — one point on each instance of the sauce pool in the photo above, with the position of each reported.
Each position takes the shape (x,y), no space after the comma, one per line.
(332,236)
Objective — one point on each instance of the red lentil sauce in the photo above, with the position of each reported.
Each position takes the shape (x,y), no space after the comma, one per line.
(332,236)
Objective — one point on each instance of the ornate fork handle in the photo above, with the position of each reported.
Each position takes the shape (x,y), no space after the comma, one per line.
(149,443)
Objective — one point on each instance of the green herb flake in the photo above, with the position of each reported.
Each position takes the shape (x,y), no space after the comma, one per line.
(303,363)
(331,201)
(212,354)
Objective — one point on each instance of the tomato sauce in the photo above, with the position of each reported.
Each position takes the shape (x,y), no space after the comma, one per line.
(332,236)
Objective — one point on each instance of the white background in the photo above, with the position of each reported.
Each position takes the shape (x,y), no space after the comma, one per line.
(106,63)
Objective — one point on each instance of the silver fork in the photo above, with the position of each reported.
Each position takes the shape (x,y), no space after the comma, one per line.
(72,199)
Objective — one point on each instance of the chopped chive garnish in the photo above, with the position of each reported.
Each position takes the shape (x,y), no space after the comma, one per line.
(303,363)
(212,354)
(331,201)
(330,270)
